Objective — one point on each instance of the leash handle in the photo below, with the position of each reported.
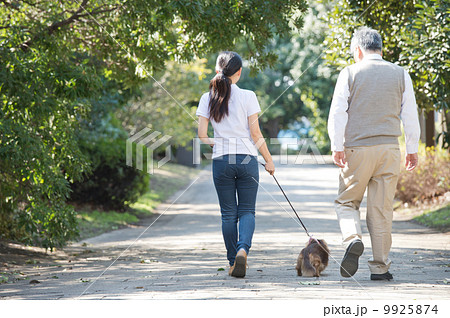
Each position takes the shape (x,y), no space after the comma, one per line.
(287,199)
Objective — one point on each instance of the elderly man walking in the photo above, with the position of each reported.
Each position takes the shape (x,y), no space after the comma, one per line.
(370,100)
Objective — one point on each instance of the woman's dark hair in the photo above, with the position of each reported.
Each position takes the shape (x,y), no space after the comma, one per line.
(228,63)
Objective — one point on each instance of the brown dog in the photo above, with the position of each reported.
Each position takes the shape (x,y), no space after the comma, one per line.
(313,259)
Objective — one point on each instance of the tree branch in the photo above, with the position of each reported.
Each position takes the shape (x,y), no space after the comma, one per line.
(9,5)
(76,16)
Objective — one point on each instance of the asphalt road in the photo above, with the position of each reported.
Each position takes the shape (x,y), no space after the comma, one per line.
(179,253)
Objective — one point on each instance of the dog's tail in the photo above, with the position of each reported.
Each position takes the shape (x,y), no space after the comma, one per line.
(308,268)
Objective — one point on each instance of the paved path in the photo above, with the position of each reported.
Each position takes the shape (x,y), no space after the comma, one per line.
(179,256)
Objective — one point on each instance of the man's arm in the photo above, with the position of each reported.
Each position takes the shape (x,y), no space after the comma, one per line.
(411,124)
(338,117)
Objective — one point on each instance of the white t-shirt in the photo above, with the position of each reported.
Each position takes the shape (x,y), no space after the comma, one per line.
(232,134)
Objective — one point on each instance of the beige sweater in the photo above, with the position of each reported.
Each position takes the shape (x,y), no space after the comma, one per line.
(376,90)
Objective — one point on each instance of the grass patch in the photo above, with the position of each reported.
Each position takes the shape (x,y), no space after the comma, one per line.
(163,183)
(438,219)
(91,223)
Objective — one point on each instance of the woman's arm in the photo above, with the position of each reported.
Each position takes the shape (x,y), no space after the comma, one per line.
(260,143)
(203,131)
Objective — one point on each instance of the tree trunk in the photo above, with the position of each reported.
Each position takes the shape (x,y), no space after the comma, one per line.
(272,128)
(430,129)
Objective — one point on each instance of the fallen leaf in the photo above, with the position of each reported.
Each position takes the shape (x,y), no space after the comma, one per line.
(34,281)
(309,283)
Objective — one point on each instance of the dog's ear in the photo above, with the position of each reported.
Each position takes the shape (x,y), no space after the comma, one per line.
(324,244)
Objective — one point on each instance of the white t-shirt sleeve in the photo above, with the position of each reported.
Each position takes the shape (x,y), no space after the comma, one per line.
(252,104)
(203,107)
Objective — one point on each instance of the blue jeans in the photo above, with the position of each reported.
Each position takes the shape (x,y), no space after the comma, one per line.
(236,175)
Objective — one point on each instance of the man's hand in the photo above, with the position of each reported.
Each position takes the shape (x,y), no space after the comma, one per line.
(412,160)
(339,159)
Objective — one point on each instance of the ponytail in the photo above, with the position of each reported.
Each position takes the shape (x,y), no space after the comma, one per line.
(219,95)
(228,63)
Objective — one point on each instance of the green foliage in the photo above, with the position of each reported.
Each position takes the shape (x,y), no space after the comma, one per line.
(431,178)
(47,224)
(40,101)
(110,184)
(316,79)
(167,104)
(300,84)
(139,36)
(165,182)
(438,219)
(3,279)
(415,35)
(280,105)
(96,222)
(55,56)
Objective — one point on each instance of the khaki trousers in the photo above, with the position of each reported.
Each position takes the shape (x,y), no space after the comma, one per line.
(375,168)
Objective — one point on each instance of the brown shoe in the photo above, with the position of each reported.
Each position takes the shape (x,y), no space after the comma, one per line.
(240,264)
(231,269)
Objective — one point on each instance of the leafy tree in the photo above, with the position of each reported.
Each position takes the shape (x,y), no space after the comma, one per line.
(415,35)
(110,184)
(299,84)
(280,106)
(315,79)
(168,104)
(38,152)
(54,55)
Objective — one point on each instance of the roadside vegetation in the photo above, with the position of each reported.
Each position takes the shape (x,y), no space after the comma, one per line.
(438,219)
(424,193)
(72,93)
(165,182)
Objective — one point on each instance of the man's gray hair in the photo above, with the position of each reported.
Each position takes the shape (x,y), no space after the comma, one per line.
(366,39)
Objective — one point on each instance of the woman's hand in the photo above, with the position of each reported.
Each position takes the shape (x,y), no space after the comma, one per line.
(270,167)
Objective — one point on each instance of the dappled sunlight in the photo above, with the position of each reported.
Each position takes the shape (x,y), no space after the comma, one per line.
(182,255)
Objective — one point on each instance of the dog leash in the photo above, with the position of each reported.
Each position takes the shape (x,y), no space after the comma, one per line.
(292,207)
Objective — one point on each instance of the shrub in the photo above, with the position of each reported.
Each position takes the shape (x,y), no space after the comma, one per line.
(111,184)
(48,225)
(431,177)
(39,96)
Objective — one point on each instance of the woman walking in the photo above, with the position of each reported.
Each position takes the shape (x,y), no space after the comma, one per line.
(233,113)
